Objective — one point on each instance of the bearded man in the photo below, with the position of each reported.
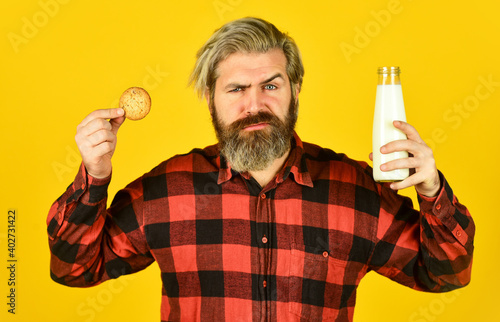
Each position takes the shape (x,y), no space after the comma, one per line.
(261,226)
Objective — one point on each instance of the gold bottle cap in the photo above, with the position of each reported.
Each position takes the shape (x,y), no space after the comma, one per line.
(393,70)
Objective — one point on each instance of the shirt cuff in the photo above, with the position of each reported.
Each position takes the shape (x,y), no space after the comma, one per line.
(92,190)
(97,181)
(443,208)
(435,204)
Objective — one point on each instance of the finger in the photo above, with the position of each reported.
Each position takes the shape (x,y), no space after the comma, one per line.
(403,163)
(411,181)
(370,156)
(109,113)
(95,154)
(401,145)
(409,130)
(103,149)
(101,136)
(93,126)
(88,145)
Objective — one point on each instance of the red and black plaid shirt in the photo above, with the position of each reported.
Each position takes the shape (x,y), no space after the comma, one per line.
(230,250)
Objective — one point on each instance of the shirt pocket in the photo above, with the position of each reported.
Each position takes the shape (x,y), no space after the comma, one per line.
(315,283)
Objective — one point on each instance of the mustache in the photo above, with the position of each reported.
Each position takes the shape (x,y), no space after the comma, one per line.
(260,117)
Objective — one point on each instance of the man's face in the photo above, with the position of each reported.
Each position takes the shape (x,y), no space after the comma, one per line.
(252,109)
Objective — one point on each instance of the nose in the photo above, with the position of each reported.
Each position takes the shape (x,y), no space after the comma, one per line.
(254,101)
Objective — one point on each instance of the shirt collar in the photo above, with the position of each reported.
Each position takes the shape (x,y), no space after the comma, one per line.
(295,164)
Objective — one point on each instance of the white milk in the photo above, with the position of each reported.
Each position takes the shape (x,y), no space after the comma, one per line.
(389,107)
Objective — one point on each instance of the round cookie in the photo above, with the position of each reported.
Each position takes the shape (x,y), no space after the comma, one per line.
(136,103)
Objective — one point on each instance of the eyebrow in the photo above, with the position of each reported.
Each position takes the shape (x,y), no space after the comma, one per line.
(270,79)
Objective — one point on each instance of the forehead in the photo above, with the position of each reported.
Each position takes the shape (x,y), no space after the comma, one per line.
(242,66)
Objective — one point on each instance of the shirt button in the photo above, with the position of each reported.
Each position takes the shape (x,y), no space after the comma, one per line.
(264,284)
(264,240)
(325,254)
(438,206)
(459,233)
(263,196)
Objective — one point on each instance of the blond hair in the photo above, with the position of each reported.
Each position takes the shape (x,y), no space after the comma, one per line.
(247,35)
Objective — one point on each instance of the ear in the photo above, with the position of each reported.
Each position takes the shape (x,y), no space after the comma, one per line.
(207,99)
(297,91)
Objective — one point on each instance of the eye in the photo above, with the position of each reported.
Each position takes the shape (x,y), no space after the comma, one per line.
(270,87)
(236,89)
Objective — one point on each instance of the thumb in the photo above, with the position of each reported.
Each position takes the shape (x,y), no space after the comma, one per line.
(117,121)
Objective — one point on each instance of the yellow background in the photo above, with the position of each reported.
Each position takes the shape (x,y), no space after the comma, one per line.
(78,56)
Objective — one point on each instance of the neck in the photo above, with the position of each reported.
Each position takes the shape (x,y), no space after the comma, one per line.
(263,177)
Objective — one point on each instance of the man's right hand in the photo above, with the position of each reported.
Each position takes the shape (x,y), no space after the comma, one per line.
(96,140)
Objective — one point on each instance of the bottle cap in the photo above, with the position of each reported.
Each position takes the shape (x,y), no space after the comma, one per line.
(394,70)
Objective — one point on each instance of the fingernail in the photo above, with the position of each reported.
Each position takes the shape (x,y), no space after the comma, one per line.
(120,111)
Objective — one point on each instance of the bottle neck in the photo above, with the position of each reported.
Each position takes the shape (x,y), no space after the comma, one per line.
(389,79)
(388,75)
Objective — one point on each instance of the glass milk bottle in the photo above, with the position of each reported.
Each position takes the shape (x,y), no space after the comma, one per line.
(389,107)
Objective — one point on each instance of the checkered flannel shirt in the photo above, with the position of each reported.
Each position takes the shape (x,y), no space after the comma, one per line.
(230,250)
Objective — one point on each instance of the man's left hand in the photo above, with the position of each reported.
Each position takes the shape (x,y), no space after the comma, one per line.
(423,172)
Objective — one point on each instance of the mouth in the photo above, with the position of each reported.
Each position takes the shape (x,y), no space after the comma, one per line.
(255,127)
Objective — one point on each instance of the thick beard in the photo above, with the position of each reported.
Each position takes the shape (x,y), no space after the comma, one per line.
(255,150)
